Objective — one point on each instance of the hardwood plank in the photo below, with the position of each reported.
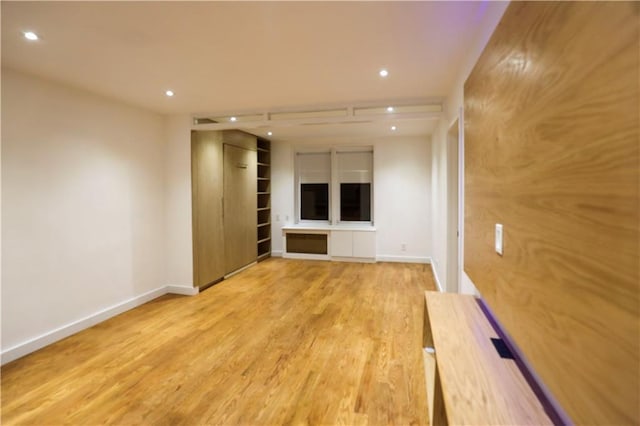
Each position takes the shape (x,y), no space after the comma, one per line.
(552,124)
(285,341)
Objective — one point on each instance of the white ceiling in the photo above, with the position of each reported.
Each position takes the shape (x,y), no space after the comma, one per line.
(233,57)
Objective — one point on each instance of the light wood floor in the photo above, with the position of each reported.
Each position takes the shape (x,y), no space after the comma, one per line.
(284,342)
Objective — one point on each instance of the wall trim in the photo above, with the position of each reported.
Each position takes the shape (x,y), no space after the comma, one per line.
(237,271)
(276,253)
(353,259)
(435,276)
(404,259)
(182,289)
(46,339)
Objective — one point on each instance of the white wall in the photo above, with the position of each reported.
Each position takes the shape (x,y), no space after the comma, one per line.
(178,230)
(82,205)
(493,11)
(282,181)
(439,205)
(402,182)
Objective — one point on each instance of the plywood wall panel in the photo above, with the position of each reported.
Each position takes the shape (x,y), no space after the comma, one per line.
(552,152)
(207,190)
(240,204)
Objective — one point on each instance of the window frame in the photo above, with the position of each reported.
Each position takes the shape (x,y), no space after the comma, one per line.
(334,185)
(335,169)
(297,187)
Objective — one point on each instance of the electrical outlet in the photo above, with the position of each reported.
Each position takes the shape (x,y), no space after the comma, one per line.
(277,218)
(499,238)
(403,247)
(286,218)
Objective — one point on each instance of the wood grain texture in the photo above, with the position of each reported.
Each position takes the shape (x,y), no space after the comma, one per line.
(206,188)
(438,411)
(477,386)
(552,153)
(240,139)
(240,204)
(429,377)
(283,342)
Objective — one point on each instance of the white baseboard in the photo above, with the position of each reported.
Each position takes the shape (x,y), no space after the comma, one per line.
(435,276)
(74,327)
(276,253)
(404,259)
(467,286)
(353,259)
(182,289)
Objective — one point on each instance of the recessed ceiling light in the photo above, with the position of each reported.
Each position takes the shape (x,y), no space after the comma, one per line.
(233,119)
(169,93)
(383,73)
(269,133)
(389,109)
(30,35)
(393,128)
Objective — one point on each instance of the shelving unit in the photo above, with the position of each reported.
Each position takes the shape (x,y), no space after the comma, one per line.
(264,199)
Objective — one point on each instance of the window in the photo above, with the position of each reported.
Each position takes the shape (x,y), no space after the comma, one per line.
(355,202)
(314,178)
(314,201)
(335,186)
(355,170)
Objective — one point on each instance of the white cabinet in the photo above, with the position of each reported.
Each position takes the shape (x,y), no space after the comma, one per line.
(342,243)
(364,244)
(351,244)
(361,244)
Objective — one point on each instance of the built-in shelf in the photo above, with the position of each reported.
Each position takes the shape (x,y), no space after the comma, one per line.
(264,199)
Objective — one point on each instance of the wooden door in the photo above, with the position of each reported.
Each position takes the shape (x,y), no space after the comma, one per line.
(207,186)
(240,204)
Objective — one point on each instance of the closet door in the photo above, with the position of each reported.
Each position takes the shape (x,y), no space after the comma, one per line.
(240,204)
(207,186)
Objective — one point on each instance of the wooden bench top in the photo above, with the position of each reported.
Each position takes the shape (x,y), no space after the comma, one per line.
(477,385)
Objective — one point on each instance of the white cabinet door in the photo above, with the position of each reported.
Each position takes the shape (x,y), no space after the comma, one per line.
(364,244)
(342,243)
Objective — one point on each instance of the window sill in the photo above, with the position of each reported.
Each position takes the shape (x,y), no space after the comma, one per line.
(327,227)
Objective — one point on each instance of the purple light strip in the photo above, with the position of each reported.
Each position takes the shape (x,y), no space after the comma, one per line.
(550,405)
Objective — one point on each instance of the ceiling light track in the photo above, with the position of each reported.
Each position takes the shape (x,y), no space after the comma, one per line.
(296,117)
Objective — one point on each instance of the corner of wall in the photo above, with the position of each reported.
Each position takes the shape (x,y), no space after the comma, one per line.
(178,230)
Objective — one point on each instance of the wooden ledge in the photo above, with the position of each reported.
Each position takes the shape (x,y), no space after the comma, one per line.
(473,383)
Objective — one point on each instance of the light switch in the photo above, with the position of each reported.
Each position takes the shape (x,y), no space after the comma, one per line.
(499,238)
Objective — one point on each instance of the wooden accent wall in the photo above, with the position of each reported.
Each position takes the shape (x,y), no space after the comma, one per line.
(552,153)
